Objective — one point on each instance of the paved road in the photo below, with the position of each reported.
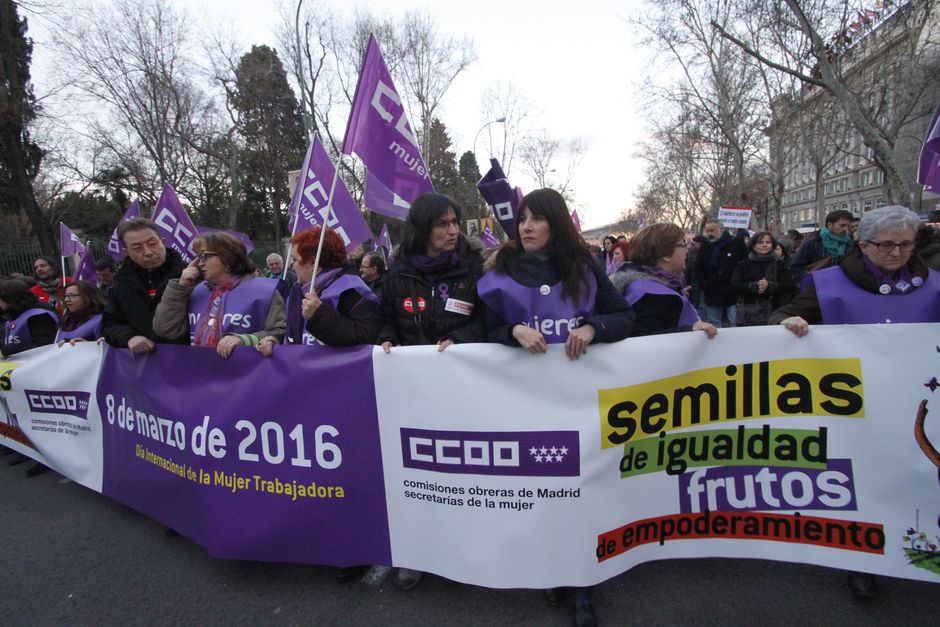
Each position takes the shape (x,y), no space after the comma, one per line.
(69,556)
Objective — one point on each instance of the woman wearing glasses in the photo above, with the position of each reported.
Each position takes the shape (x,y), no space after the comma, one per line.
(879,281)
(654,282)
(229,307)
(84,303)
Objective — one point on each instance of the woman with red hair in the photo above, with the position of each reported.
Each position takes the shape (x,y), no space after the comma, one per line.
(341,310)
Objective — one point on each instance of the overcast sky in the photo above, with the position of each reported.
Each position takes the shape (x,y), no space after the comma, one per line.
(576,61)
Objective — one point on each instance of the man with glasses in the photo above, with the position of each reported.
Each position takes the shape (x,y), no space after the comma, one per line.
(138,286)
(372,270)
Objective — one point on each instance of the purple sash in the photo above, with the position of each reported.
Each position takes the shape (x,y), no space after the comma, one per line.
(843,302)
(89,330)
(329,295)
(16,331)
(641,287)
(245,308)
(542,308)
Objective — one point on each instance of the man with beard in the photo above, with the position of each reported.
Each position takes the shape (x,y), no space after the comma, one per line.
(138,286)
(49,288)
(717,258)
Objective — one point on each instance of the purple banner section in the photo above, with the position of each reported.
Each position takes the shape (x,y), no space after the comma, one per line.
(519,453)
(768,488)
(58,402)
(381,199)
(242,237)
(69,242)
(501,197)
(237,457)
(379,131)
(85,270)
(386,241)
(489,238)
(115,248)
(310,204)
(174,224)
(928,171)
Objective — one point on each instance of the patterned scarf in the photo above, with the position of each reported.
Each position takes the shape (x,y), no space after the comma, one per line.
(209,327)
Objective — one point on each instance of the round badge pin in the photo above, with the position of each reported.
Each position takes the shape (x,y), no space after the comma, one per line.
(917,281)
(885,289)
(545,290)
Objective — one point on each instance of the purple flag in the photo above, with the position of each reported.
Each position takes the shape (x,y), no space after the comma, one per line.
(85,270)
(69,242)
(174,224)
(501,197)
(576,220)
(241,236)
(309,204)
(489,238)
(380,134)
(928,172)
(381,199)
(384,240)
(115,248)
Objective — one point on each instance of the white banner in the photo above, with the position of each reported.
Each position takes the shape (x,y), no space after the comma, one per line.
(735,217)
(507,469)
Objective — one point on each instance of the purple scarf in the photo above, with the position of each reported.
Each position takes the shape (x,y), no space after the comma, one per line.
(432,267)
(674,280)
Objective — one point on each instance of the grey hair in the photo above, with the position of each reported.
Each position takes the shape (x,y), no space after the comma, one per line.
(274,256)
(877,220)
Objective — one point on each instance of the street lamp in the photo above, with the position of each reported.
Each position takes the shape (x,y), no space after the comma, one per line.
(496,121)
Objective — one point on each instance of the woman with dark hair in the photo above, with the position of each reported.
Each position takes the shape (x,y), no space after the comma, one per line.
(341,310)
(762,281)
(27,322)
(654,282)
(607,251)
(547,288)
(430,293)
(84,303)
(230,307)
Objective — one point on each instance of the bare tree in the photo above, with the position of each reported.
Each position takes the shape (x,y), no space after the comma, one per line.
(506,102)
(552,162)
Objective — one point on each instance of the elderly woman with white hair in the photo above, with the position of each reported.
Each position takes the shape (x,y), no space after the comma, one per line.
(879,281)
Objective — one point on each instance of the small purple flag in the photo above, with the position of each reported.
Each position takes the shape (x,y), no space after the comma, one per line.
(115,248)
(384,240)
(241,236)
(309,205)
(69,242)
(174,224)
(85,270)
(576,220)
(501,197)
(928,171)
(380,134)
(381,199)
(489,238)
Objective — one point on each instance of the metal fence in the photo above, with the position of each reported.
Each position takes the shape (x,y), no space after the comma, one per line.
(17,255)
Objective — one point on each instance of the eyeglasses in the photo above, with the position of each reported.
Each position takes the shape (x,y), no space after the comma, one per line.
(204,257)
(886,247)
(443,224)
(70,296)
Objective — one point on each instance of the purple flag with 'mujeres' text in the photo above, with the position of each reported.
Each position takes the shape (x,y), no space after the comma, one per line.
(174,224)
(381,199)
(928,171)
(311,197)
(380,134)
(85,270)
(501,197)
(115,247)
(69,242)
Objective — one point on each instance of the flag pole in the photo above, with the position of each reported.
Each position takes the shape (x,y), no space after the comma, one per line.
(329,208)
(296,203)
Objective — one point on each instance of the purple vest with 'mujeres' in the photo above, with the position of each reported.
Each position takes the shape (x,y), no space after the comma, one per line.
(330,295)
(641,287)
(244,308)
(89,330)
(843,302)
(542,308)
(16,331)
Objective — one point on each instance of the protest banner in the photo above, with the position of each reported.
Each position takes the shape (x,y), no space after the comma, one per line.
(756,444)
(735,217)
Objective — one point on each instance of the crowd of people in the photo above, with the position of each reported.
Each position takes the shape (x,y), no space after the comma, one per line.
(546,287)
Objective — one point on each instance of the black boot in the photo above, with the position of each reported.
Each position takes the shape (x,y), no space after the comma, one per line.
(584,607)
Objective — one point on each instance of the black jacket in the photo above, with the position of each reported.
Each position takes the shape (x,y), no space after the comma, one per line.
(751,270)
(715,281)
(356,320)
(130,304)
(403,283)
